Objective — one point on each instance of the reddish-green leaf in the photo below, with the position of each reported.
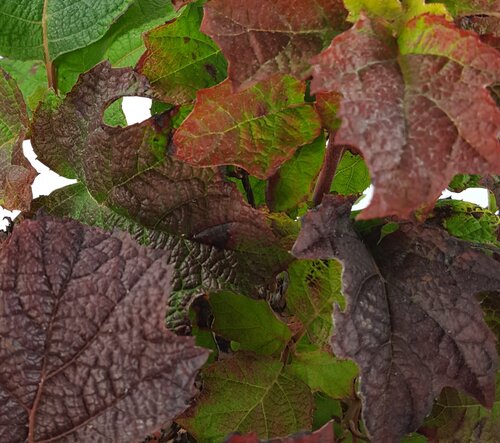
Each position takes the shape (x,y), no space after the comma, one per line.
(412,323)
(260,38)
(258,129)
(417,107)
(16,174)
(84,355)
(180,59)
(323,435)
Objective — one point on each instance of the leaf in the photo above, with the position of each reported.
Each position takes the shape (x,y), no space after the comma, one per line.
(351,175)
(83,352)
(456,418)
(129,170)
(257,129)
(262,38)
(323,372)
(323,435)
(16,174)
(45,29)
(198,268)
(417,108)
(411,324)
(180,59)
(313,288)
(122,45)
(244,393)
(251,323)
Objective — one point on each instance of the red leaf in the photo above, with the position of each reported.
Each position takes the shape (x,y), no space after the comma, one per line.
(412,323)
(260,38)
(84,355)
(258,128)
(417,108)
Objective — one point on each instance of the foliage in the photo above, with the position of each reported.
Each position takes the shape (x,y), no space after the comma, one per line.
(377,325)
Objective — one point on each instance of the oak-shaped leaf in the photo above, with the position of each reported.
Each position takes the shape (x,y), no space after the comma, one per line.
(258,128)
(412,323)
(261,38)
(16,173)
(129,169)
(323,435)
(84,355)
(180,59)
(248,393)
(417,107)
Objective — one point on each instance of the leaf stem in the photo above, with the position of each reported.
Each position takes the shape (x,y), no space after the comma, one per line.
(333,155)
(49,65)
(271,185)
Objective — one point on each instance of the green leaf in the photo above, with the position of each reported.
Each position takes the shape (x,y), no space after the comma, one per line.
(246,393)
(122,45)
(387,229)
(180,59)
(45,29)
(114,115)
(351,176)
(257,129)
(314,286)
(324,409)
(463,181)
(321,371)
(249,322)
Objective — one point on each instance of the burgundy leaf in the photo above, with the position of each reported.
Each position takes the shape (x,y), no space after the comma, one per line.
(322,435)
(260,38)
(417,107)
(412,323)
(84,355)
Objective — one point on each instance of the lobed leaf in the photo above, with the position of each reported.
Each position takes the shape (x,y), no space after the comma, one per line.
(411,323)
(258,129)
(244,393)
(261,38)
(83,352)
(417,107)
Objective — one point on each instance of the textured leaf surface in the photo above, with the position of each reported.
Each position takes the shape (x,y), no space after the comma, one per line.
(260,38)
(411,323)
(251,323)
(257,129)
(122,45)
(83,354)
(45,29)
(16,174)
(323,435)
(244,394)
(180,59)
(314,286)
(129,170)
(351,175)
(417,108)
(198,268)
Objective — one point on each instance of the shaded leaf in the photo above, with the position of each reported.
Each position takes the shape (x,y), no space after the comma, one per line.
(313,288)
(257,129)
(411,323)
(351,175)
(416,107)
(492,182)
(245,393)
(122,45)
(83,352)
(323,372)
(251,323)
(33,30)
(16,174)
(323,435)
(180,59)
(261,38)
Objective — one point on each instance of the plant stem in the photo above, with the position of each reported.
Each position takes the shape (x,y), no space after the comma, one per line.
(245,181)
(272,183)
(333,155)
(51,75)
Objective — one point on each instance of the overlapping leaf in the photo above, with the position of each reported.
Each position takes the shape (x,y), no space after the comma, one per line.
(479,15)
(261,38)
(412,323)
(16,174)
(257,129)
(246,394)
(83,352)
(180,59)
(417,107)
